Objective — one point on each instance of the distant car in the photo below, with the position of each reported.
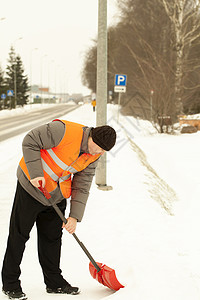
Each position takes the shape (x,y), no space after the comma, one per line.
(71,102)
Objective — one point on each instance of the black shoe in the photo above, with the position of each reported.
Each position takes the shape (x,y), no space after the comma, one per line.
(67,289)
(16,294)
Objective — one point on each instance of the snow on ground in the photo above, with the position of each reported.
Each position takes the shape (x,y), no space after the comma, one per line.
(27,108)
(146,228)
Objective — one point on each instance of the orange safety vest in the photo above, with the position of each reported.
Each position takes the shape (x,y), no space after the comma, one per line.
(93,103)
(60,162)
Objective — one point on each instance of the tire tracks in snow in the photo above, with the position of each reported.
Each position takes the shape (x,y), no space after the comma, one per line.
(158,189)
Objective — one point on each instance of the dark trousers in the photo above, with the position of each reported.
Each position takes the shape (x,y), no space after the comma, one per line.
(25,212)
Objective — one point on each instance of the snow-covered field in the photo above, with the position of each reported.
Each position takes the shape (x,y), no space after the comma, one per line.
(146,228)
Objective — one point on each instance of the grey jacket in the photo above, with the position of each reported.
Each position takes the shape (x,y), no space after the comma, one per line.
(46,137)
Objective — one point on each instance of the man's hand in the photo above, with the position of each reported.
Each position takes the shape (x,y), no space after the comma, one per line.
(35,182)
(71,225)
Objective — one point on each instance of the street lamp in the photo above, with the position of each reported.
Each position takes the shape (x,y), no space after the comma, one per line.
(54,79)
(59,82)
(45,55)
(49,72)
(65,86)
(31,72)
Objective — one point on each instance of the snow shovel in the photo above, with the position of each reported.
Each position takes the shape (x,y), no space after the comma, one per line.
(99,271)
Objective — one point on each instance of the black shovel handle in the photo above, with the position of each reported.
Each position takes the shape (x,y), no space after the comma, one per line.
(57,209)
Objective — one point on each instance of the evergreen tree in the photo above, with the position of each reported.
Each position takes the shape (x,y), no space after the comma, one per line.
(16,80)
(10,76)
(21,83)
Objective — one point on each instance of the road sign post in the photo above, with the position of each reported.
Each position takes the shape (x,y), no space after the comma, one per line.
(119,100)
(10,94)
(120,87)
(3,97)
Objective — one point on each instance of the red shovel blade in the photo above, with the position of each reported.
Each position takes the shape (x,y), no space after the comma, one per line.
(106,276)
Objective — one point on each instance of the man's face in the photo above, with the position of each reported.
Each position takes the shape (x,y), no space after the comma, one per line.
(94,148)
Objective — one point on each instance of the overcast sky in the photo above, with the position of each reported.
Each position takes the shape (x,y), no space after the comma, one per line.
(61,30)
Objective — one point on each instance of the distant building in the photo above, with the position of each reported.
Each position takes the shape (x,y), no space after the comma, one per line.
(44,89)
(43,94)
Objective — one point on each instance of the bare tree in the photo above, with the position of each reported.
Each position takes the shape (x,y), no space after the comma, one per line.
(89,70)
(148,60)
(158,48)
(184,16)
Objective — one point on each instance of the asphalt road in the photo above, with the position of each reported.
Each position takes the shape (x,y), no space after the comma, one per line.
(17,124)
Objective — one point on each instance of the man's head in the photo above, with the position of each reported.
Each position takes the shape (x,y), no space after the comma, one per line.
(102,138)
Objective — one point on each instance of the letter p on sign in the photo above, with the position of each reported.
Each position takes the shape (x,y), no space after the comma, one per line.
(120,80)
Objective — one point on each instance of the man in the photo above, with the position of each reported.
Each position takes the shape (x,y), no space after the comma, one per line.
(63,156)
(94,104)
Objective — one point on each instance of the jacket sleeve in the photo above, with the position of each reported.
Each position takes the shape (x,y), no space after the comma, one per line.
(81,184)
(43,137)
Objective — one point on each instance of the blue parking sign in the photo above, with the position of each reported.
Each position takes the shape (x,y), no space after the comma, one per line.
(120,79)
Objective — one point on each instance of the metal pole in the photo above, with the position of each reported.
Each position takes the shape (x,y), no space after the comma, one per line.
(31,74)
(101,113)
(41,91)
(48,82)
(55,82)
(119,100)
(41,80)
(15,86)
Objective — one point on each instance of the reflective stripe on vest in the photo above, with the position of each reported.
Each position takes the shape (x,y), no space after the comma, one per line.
(53,176)
(60,163)
(62,179)
(48,170)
